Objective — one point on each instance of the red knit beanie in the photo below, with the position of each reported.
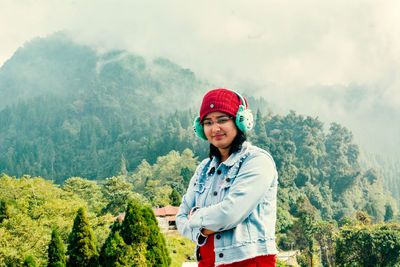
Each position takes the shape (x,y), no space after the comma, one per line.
(222,100)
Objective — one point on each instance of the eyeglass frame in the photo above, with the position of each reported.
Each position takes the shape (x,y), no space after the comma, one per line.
(220,121)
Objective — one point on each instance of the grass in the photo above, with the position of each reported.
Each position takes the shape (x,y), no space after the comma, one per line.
(180,249)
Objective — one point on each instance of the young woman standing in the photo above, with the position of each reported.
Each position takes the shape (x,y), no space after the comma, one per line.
(229,208)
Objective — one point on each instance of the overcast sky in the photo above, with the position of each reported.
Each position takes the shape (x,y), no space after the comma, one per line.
(286,47)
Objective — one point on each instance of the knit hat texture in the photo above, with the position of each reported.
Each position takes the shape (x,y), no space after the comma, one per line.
(222,100)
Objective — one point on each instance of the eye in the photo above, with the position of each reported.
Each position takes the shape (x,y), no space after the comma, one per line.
(223,120)
(207,123)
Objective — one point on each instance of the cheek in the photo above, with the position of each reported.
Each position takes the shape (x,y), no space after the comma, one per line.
(207,132)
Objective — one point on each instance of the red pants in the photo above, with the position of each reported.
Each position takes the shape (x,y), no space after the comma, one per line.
(207,258)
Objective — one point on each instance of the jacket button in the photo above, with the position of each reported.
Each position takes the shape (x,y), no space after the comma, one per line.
(215,193)
(212,171)
(221,255)
(219,171)
(218,236)
(228,179)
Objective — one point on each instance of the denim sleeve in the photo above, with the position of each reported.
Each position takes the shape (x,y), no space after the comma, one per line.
(182,221)
(256,175)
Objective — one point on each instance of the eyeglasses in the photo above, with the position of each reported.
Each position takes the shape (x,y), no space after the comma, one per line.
(220,121)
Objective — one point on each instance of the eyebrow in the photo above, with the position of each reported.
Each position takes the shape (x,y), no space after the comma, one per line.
(218,117)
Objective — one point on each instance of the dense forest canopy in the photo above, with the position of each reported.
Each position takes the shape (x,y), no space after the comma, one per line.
(112,127)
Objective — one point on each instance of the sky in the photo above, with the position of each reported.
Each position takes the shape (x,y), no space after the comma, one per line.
(301,55)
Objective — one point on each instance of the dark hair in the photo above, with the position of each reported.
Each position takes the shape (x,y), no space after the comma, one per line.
(235,146)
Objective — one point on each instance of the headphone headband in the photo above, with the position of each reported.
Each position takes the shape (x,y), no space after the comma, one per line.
(241,98)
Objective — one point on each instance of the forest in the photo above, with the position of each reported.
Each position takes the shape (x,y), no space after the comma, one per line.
(85,137)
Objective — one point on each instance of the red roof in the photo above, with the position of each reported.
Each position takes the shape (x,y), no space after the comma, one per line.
(166,211)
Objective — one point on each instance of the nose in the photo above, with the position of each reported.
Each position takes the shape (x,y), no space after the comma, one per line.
(215,127)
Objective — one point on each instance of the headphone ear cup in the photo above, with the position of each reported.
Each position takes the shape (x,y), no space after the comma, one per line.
(244,119)
(198,128)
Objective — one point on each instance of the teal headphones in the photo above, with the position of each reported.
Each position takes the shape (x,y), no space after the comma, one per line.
(244,120)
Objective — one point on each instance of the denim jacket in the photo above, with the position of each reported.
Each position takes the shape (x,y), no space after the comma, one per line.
(237,198)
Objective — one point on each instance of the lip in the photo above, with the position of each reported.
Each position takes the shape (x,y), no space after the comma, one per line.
(218,136)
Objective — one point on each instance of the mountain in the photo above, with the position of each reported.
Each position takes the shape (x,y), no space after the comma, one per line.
(70,111)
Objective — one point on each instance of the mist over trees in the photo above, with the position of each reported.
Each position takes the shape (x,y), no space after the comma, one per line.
(105,130)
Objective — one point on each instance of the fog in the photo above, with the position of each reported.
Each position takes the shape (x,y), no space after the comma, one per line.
(336,60)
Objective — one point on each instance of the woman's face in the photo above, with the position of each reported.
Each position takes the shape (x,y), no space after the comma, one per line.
(220,129)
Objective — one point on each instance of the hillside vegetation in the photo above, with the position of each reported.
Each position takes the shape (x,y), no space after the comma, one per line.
(98,130)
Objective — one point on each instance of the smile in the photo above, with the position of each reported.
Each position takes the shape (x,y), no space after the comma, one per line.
(218,136)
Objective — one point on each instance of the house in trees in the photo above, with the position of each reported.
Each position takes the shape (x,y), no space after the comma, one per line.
(166,217)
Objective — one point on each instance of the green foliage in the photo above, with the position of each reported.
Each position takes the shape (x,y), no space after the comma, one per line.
(118,191)
(56,252)
(87,190)
(304,228)
(93,126)
(324,235)
(157,253)
(29,262)
(85,117)
(133,228)
(4,213)
(115,252)
(173,170)
(82,249)
(175,198)
(127,242)
(388,212)
(368,245)
(35,207)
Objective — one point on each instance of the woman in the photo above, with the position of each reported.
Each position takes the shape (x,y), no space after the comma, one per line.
(229,208)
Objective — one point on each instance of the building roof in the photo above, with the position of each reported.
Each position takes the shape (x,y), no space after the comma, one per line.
(166,211)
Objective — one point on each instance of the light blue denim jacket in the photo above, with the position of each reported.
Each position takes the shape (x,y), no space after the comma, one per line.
(237,198)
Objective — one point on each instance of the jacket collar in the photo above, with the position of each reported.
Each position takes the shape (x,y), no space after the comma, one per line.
(230,161)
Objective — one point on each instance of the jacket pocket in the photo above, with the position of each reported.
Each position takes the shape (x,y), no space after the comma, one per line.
(198,189)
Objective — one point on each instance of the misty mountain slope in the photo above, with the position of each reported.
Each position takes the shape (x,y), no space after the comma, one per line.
(55,65)
(62,127)
(115,109)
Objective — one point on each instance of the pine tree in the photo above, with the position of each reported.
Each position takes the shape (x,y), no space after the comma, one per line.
(133,229)
(388,212)
(4,214)
(175,198)
(157,252)
(56,251)
(126,243)
(82,249)
(114,249)
(29,262)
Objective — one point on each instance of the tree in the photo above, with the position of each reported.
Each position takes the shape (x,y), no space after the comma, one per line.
(157,252)
(133,228)
(324,235)
(29,262)
(368,245)
(388,212)
(115,252)
(82,249)
(56,251)
(304,228)
(4,213)
(34,204)
(126,243)
(175,198)
(86,190)
(117,191)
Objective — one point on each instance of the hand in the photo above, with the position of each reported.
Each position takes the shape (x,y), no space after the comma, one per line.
(192,211)
(207,232)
